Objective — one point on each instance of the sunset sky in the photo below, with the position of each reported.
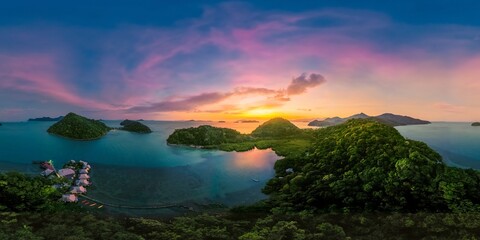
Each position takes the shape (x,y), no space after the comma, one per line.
(212,60)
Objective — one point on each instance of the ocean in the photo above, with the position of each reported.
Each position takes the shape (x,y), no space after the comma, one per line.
(141,169)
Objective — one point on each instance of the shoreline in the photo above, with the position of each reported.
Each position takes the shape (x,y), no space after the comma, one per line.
(80,140)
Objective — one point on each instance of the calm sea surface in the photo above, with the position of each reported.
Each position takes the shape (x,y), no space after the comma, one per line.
(136,169)
(458,143)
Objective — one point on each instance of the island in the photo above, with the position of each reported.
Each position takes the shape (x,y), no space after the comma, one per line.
(386,118)
(476,124)
(45,119)
(77,127)
(134,126)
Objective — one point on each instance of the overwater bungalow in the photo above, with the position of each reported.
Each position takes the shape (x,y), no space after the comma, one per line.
(84,176)
(78,189)
(47,165)
(66,172)
(69,198)
(82,182)
(47,172)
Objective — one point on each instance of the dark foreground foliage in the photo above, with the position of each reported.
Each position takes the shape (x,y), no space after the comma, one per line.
(74,225)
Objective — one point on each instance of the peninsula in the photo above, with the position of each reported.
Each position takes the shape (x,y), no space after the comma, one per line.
(134,126)
(476,124)
(386,118)
(77,127)
(279,134)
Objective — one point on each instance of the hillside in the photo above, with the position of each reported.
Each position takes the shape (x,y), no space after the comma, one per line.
(134,126)
(476,124)
(276,128)
(386,118)
(205,135)
(366,165)
(78,127)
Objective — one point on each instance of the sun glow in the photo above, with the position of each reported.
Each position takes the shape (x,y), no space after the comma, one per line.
(260,113)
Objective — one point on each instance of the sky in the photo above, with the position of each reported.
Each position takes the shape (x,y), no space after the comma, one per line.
(231,60)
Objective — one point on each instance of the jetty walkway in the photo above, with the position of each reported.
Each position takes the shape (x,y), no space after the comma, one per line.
(137,207)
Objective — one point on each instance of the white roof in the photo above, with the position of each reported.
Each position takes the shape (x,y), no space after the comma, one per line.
(78,189)
(69,198)
(82,182)
(83,171)
(66,172)
(84,176)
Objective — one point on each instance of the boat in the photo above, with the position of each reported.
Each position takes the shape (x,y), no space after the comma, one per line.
(254,179)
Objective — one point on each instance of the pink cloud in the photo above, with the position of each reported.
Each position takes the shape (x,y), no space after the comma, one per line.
(37,74)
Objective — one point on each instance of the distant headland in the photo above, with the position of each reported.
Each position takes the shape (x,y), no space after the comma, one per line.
(476,124)
(246,121)
(45,119)
(386,118)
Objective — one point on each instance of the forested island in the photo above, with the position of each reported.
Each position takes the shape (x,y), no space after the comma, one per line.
(77,127)
(358,180)
(386,118)
(476,124)
(134,126)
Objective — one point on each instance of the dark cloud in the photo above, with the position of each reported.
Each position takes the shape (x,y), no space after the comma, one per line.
(300,84)
(187,104)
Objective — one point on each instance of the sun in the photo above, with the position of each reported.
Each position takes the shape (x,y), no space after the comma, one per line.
(260,113)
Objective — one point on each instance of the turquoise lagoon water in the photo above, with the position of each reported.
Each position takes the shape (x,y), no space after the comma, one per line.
(135,169)
(141,169)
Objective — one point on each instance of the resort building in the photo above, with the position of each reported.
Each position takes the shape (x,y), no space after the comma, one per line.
(66,172)
(78,189)
(69,198)
(83,171)
(47,165)
(82,182)
(84,176)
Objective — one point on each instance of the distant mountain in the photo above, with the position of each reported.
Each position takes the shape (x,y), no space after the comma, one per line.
(358,116)
(475,124)
(397,120)
(327,122)
(45,119)
(386,118)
